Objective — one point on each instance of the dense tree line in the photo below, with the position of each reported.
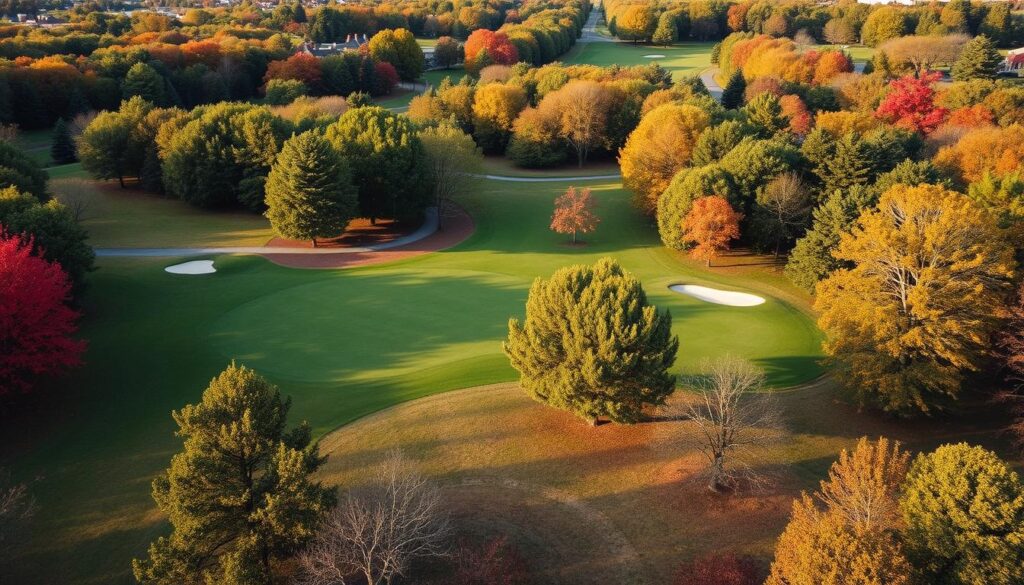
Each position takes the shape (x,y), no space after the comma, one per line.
(837,23)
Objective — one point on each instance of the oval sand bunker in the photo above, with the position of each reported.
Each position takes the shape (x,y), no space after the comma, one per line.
(718,297)
(654,56)
(193,267)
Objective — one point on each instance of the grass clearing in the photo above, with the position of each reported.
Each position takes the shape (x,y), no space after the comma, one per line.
(343,344)
(568,494)
(129,218)
(681,59)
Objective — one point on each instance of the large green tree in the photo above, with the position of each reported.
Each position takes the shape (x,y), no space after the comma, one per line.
(398,47)
(309,190)
(453,161)
(979,59)
(62,147)
(964,513)
(53,231)
(387,160)
(591,344)
(239,496)
(18,170)
(144,81)
(732,95)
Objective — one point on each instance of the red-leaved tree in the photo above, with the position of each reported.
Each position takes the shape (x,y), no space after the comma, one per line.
(301,66)
(497,45)
(910,103)
(574,213)
(35,322)
(719,569)
(710,226)
(387,77)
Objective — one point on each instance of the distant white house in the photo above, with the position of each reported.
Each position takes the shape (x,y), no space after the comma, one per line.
(321,50)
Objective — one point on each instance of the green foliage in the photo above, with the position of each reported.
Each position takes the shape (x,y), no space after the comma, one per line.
(309,190)
(979,59)
(666,32)
(239,496)
(103,146)
(281,92)
(883,24)
(964,514)
(1002,195)
(387,162)
(753,163)
(53,229)
(62,147)
(144,81)
(732,95)
(213,159)
(910,173)
(398,47)
(851,164)
(18,170)
(688,185)
(811,260)
(535,154)
(592,345)
(716,141)
(764,115)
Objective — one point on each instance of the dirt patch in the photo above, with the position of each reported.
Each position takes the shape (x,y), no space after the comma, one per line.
(359,232)
(456,226)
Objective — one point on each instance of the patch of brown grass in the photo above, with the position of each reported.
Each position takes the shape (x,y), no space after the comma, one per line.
(613,503)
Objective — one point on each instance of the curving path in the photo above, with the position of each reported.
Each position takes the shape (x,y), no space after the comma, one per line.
(546,179)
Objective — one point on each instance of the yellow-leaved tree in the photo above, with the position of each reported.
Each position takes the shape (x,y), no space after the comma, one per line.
(930,272)
(850,540)
(661,144)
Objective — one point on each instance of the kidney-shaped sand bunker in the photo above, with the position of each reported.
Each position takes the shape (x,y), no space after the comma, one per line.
(718,297)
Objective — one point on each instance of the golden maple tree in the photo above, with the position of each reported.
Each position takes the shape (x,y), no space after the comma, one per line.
(930,270)
(710,226)
(661,144)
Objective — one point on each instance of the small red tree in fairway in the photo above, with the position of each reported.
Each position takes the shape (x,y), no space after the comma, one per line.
(710,226)
(574,213)
(910,103)
(35,323)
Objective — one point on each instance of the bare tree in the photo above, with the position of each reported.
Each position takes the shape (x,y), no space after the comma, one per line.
(783,210)
(76,196)
(734,418)
(923,53)
(16,507)
(377,532)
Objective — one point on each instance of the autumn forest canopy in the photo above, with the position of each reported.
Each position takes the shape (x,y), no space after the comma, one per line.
(701,292)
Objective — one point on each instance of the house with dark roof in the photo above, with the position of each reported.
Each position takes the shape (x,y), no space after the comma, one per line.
(321,50)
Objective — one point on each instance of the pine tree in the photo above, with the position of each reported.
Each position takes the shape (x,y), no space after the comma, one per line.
(732,95)
(666,32)
(979,59)
(62,149)
(851,165)
(144,81)
(239,496)
(309,190)
(764,114)
(591,344)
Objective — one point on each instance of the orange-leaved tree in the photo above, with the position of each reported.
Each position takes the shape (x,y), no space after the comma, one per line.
(710,226)
(574,213)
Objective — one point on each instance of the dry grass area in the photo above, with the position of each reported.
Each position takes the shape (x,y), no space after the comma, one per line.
(612,504)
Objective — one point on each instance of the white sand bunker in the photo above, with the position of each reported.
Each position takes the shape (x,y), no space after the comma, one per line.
(654,56)
(718,297)
(193,267)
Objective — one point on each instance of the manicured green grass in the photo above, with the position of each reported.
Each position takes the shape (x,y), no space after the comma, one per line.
(36,144)
(681,59)
(499,165)
(342,343)
(128,218)
(859,53)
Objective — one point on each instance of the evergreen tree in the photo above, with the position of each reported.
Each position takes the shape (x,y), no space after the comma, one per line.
(666,32)
(979,59)
(591,344)
(239,496)
(309,191)
(151,176)
(852,164)
(964,513)
(144,81)
(732,95)
(764,115)
(811,260)
(62,149)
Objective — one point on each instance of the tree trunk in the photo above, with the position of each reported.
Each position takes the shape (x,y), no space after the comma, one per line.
(574,237)
(593,421)
(120,179)
(709,263)
(314,242)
